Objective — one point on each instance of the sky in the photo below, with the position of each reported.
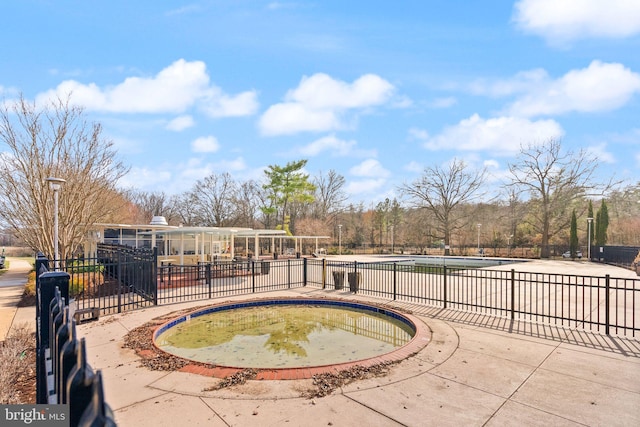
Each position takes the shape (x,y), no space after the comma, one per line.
(375,90)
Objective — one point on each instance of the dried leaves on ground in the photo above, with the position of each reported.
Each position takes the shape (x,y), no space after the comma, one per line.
(236,379)
(18,362)
(140,339)
(327,383)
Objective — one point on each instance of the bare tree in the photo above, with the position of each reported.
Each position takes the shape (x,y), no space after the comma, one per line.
(247,202)
(329,195)
(442,191)
(55,141)
(149,204)
(213,200)
(554,181)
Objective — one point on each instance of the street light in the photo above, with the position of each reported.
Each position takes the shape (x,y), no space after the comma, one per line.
(479,225)
(589,221)
(392,248)
(339,239)
(55,184)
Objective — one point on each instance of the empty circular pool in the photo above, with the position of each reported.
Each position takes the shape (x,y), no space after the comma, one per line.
(288,333)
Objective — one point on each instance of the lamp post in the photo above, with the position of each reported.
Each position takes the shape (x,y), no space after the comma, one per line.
(392,245)
(55,184)
(479,225)
(589,221)
(339,239)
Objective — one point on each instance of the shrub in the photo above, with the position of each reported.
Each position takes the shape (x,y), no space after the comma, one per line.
(30,286)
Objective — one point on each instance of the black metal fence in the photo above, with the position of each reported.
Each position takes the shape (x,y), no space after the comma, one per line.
(209,280)
(616,255)
(63,375)
(604,304)
(119,278)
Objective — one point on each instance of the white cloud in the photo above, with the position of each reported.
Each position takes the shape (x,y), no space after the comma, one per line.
(320,91)
(522,82)
(599,87)
(205,144)
(446,102)
(491,164)
(419,134)
(502,135)
(291,118)
(414,166)
(180,123)
(319,103)
(145,178)
(367,186)
(560,22)
(336,147)
(188,9)
(174,89)
(370,168)
(600,152)
(217,104)
(235,165)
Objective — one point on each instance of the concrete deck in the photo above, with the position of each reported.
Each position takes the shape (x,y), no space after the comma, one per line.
(475,371)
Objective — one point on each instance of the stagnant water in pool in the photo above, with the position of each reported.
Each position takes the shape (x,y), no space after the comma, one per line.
(285,336)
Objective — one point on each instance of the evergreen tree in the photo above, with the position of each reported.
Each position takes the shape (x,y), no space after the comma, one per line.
(573,235)
(591,230)
(286,185)
(602,224)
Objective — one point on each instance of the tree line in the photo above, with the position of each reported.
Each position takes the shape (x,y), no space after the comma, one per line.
(545,200)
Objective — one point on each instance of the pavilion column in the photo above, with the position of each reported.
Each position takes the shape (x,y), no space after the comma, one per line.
(256,243)
(202,247)
(182,248)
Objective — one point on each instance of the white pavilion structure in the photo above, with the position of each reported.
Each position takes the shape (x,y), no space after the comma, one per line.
(191,245)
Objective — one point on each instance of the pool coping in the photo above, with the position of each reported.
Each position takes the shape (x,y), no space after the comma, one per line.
(421,339)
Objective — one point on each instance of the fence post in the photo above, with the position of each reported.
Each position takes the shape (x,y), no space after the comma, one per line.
(304,272)
(49,281)
(606,303)
(42,265)
(46,291)
(253,276)
(288,274)
(208,278)
(119,280)
(444,285)
(154,275)
(513,293)
(395,280)
(324,273)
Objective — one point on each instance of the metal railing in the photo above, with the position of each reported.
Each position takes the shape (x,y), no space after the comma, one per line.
(63,376)
(605,304)
(209,280)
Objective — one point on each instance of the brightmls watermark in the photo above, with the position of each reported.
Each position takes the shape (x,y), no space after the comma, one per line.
(35,415)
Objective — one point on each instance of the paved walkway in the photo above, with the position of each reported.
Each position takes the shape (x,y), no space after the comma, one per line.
(11,288)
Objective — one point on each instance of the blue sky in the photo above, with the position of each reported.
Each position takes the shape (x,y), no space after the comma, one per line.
(374,90)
